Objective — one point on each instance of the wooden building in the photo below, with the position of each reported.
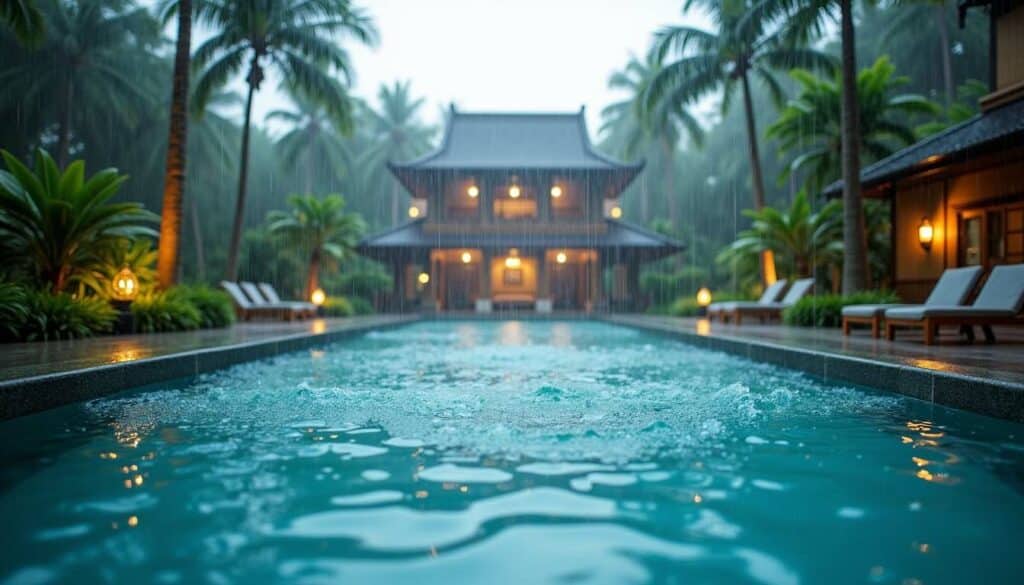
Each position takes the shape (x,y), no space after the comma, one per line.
(958,196)
(516,210)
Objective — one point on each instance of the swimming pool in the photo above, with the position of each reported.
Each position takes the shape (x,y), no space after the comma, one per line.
(510,452)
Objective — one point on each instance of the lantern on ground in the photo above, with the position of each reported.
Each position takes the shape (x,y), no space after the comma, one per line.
(703,300)
(124,289)
(925,234)
(318,298)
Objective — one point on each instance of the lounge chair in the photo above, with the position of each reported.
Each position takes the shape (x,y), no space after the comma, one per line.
(301,309)
(1000,302)
(765,311)
(951,290)
(770,295)
(246,309)
(270,293)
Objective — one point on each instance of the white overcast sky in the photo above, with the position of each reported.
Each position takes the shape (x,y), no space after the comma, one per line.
(502,55)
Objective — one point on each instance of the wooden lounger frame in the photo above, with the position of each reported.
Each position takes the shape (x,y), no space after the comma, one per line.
(931,325)
(762,313)
(875,321)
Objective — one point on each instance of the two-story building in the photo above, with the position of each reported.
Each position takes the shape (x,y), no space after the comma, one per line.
(516,210)
(958,196)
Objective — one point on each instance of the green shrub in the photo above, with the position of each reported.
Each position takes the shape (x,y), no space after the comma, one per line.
(662,287)
(826,310)
(158,312)
(361,306)
(337,307)
(61,316)
(13,310)
(214,306)
(364,284)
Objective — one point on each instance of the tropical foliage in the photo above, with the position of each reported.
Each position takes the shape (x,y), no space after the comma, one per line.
(24,19)
(811,123)
(826,310)
(59,225)
(319,227)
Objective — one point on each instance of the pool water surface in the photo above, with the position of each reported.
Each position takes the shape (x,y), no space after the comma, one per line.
(510,452)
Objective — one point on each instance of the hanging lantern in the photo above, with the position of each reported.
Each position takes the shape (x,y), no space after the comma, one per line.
(126,285)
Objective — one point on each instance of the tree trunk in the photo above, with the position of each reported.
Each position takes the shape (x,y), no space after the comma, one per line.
(313,279)
(854,265)
(311,158)
(231,273)
(197,235)
(394,201)
(670,182)
(942,23)
(64,125)
(177,151)
(768,275)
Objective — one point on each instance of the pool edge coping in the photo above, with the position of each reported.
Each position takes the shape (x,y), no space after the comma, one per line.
(32,394)
(995,398)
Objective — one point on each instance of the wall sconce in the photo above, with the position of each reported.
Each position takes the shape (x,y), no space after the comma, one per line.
(414,212)
(616,212)
(467,257)
(925,234)
(561,257)
(513,260)
(423,278)
(514,191)
(556,191)
(473,191)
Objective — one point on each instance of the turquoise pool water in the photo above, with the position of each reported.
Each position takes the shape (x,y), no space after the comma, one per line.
(510,452)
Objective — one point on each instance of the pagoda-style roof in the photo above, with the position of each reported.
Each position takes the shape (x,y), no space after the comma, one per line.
(627,237)
(515,142)
(990,131)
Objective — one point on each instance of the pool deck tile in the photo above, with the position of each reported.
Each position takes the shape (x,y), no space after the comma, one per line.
(43,375)
(983,378)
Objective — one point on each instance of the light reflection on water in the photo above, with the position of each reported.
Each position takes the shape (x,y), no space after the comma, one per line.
(510,452)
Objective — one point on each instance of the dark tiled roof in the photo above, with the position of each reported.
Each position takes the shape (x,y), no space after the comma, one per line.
(516,141)
(1003,125)
(618,235)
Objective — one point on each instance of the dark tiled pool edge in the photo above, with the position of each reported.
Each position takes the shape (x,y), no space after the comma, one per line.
(24,396)
(993,398)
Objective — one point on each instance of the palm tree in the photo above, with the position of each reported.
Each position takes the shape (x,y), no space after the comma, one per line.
(748,43)
(636,131)
(82,74)
(24,19)
(295,38)
(811,122)
(320,227)
(314,140)
(61,224)
(806,19)
(401,134)
(803,239)
(177,149)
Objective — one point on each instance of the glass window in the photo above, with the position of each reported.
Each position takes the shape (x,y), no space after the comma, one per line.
(970,241)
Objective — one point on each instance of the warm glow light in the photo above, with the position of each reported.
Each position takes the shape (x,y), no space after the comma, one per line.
(467,257)
(514,191)
(616,212)
(423,278)
(561,258)
(473,191)
(925,234)
(512,262)
(414,211)
(556,191)
(703,297)
(318,297)
(126,286)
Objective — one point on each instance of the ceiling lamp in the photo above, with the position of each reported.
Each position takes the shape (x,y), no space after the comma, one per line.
(514,191)
(561,257)
(473,191)
(467,257)
(556,191)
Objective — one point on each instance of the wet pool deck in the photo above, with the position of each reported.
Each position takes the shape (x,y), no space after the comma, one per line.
(42,375)
(984,378)
(988,379)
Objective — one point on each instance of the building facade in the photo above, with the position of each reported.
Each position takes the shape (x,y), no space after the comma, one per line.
(957,197)
(515,210)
